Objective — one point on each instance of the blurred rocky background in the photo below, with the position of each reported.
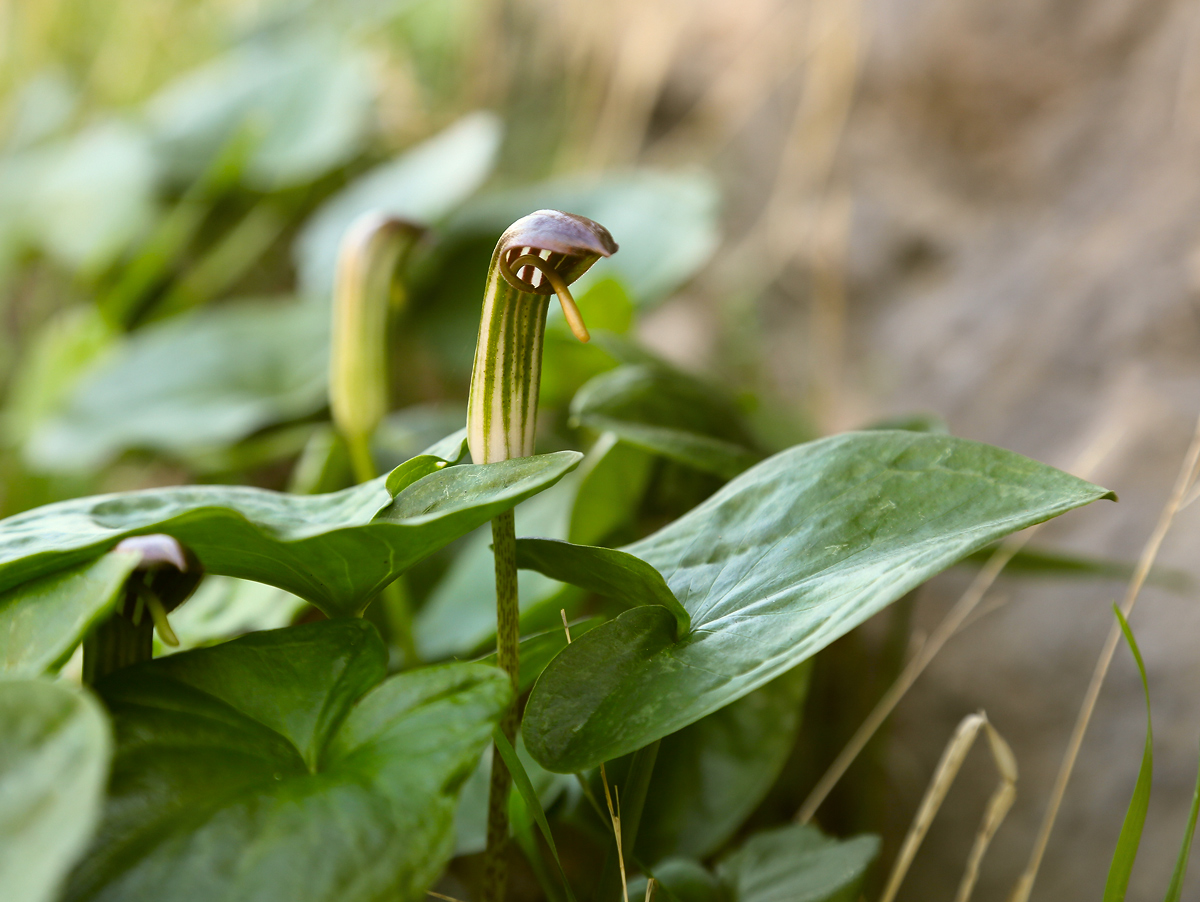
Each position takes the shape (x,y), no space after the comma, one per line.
(982,211)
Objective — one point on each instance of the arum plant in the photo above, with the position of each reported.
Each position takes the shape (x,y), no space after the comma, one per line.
(538,255)
(364,294)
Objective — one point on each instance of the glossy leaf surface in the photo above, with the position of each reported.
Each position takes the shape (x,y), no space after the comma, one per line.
(55,746)
(283,766)
(336,551)
(609,572)
(772,568)
(41,621)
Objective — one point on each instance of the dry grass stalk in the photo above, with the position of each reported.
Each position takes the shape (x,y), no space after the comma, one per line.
(998,805)
(954,621)
(566,629)
(444,898)
(615,814)
(649,889)
(1183,485)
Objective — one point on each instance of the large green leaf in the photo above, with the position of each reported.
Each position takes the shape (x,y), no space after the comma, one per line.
(772,568)
(711,775)
(421,185)
(460,615)
(336,551)
(665,223)
(192,383)
(609,572)
(54,754)
(669,413)
(797,864)
(41,621)
(283,766)
(303,103)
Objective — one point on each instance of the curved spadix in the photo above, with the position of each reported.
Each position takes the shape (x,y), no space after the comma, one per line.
(538,255)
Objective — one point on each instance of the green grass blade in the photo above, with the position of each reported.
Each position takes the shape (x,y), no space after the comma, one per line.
(1135,817)
(525,787)
(1175,890)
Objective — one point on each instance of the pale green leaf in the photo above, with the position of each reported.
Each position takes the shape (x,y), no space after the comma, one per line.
(55,746)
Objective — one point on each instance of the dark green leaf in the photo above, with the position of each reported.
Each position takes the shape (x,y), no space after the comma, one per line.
(609,572)
(797,864)
(279,767)
(41,621)
(55,747)
(539,650)
(679,880)
(192,383)
(533,803)
(1175,890)
(336,551)
(667,413)
(711,775)
(775,566)
(460,615)
(1135,818)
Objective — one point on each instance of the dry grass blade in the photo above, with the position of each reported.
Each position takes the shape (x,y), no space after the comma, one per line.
(649,889)
(566,629)
(954,621)
(442,897)
(943,778)
(1183,485)
(615,814)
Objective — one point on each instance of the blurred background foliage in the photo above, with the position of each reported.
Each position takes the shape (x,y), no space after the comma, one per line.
(831,209)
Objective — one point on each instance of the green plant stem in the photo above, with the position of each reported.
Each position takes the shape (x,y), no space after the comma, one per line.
(361,460)
(395,596)
(508,634)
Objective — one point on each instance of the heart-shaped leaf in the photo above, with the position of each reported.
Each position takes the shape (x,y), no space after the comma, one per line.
(669,413)
(282,766)
(41,621)
(711,775)
(55,747)
(336,551)
(797,863)
(772,568)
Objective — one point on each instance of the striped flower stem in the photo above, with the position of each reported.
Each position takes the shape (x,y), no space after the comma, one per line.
(537,256)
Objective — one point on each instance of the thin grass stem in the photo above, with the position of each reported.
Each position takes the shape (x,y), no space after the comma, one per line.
(1183,484)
